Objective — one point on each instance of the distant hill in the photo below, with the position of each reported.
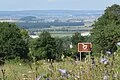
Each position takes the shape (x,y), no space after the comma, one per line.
(19,14)
(46,18)
(29,18)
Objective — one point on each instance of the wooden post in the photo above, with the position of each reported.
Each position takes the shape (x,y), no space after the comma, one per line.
(80,68)
(80,56)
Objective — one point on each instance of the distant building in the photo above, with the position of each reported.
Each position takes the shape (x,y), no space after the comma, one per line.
(34,36)
(85,34)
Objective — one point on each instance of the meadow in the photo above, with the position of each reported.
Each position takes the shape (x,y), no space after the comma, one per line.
(72,69)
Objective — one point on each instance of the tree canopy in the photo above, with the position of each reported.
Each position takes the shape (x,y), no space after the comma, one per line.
(12,44)
(46,47)
(106,31)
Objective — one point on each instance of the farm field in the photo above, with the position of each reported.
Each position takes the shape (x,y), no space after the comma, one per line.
(58,31)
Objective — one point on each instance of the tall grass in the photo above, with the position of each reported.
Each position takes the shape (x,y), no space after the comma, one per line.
(76,70)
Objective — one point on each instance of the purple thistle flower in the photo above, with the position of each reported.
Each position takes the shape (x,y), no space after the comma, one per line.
(104,61)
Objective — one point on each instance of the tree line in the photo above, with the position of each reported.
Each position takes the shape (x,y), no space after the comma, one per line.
(106,31)
(16,43)
(43,24)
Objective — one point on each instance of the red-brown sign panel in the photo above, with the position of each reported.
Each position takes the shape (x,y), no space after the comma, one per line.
(84,47)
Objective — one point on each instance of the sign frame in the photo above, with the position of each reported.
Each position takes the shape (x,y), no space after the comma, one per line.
(90,47)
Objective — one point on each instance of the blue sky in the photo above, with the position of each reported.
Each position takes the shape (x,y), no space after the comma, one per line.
(13,5)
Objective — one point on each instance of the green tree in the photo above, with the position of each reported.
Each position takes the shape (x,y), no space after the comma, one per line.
(12,44)
(66,46)
(44,47)
(59,48)
(76,38)
(106,32)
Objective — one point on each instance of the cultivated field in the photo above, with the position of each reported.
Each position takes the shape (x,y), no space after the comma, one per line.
(58,31)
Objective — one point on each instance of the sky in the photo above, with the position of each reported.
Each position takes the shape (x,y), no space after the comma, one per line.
(18,5)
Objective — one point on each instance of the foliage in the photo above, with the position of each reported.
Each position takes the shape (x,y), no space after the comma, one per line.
(12,44)
(59,48)
(42,24)
(106,32)
(76,38)
(47,47)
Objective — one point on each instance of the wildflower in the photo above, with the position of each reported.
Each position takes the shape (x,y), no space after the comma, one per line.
(48,79)
(75,79)
(20,64)
(81,67)
(63,72)
(78,76)
(39,77)
(48,60)
(106,77)
(108,52)
(34,63)
(115,75)
(62,57)
(118,43)
(29,71)
(24,76)
(104,60)
(77,62)
(71,46)
(114,53)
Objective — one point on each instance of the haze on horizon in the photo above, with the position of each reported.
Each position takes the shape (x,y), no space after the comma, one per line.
(18,5)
